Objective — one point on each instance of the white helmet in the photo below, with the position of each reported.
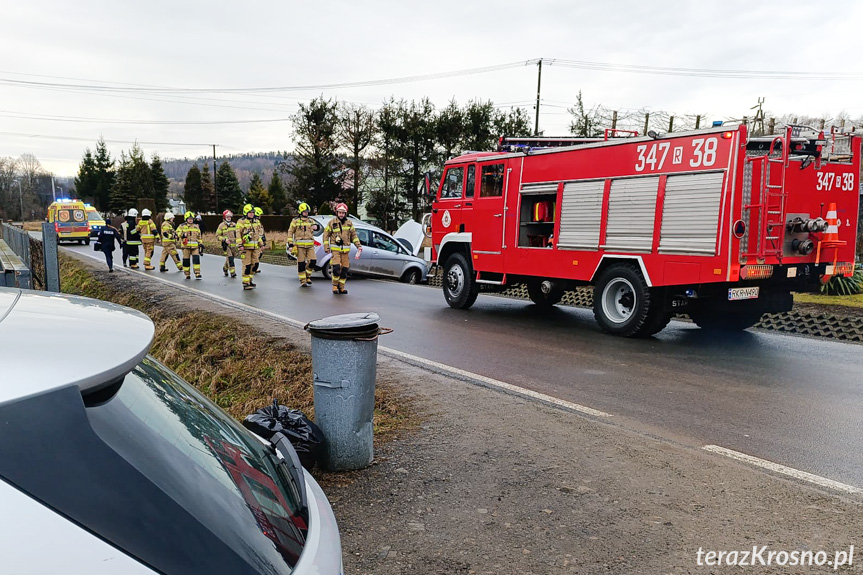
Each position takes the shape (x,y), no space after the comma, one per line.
(133,212)
(145,212)
(169,216)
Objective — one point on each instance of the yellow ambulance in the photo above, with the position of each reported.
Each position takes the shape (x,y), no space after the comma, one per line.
(70,221)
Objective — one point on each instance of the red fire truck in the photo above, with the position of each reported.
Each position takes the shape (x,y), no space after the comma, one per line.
(712,223)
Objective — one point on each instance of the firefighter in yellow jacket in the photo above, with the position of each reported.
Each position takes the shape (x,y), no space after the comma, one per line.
(248,242)
(338,237)
(169,243)
(261,234)
(147,229)
(190,239)
(226,233)
(301,242)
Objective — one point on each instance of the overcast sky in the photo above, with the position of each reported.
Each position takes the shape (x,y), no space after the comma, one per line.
(260,44)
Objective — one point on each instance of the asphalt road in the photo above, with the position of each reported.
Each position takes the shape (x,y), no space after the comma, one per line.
(790,400)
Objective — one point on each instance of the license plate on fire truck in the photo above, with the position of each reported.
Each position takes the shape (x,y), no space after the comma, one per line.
(742,293)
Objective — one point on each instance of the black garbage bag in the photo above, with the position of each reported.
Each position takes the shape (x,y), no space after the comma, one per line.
(306,437)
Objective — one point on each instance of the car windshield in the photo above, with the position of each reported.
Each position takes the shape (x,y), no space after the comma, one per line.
(94,217)
(200,457)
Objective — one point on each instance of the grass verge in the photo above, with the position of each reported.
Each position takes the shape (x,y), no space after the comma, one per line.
(238,366)
(846,300)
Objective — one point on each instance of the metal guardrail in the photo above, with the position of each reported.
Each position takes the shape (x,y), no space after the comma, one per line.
(37,254)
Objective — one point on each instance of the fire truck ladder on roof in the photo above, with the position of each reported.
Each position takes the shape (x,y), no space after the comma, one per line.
(771,196)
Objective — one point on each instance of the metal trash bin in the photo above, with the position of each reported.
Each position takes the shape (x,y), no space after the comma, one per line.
(344,358)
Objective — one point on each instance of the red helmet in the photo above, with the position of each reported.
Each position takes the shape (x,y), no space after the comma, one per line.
(341,207)
(227,213)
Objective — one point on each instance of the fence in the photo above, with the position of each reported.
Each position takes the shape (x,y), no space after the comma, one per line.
(38,252)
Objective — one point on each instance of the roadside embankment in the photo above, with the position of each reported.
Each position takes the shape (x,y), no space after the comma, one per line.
(495,484)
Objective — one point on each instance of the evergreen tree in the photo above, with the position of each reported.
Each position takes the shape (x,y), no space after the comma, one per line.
(104,176)
(140,175)
(160,183)
(316,164)
(258,194)
(208,191)
(230,192)
(449,129)
(193,194)
(479,134)
(515,123)
(122,196)
(415,147)
(87,179)
(277,195)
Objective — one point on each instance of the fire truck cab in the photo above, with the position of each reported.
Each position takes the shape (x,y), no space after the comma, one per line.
(712,223)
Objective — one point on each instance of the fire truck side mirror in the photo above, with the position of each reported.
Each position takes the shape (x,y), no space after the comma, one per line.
(653,134)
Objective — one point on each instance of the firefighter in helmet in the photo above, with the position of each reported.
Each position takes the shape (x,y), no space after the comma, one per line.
(147,229)
(226,233)
(301,242)
(131,238)
(248,242)
(169,243)
(338,237)
(190,240)
(263,235)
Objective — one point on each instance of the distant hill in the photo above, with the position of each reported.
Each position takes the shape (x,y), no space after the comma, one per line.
(244,165)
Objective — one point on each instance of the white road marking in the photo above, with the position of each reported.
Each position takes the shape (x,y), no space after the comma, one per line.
(782,469)
(414,359)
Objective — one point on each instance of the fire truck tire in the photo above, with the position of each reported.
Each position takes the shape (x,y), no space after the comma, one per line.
(539,297)
(459,287)
(721,319)
(624,305)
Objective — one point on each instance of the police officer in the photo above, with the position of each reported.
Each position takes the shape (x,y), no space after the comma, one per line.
(227,234)
(263,235)
(169,243)
(131,238)
(301,241)
(147,229)
(248,241)
(338,237)
(107,236)
(190,239)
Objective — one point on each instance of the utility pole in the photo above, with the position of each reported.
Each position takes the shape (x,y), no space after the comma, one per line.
(538,84)
(53,190)
(20,198)
(215,187)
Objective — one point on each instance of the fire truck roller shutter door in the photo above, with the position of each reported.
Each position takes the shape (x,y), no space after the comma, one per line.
(631,214)
(581,215)
(690,214)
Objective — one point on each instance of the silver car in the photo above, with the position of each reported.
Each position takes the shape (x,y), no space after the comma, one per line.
(112,464)
(383,255)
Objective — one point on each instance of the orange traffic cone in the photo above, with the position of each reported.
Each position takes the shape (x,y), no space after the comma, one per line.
(831,236)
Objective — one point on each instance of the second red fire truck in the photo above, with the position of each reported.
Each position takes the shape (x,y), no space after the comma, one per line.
(712,223)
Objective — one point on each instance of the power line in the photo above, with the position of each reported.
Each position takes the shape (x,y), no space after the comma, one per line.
(45,117)
(74,139)
(165,90)
(703,72)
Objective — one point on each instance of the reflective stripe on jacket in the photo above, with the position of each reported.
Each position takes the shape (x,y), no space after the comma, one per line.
(190,235)
(227,231)
(247,234)
(301,233)
(168,233)
(147,228)
(339,236)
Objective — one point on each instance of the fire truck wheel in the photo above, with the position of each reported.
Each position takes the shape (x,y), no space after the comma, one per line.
(544,298)
(623,303)
(459,287)
(722,319)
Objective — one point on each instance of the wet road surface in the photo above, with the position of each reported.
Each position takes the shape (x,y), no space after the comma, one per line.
(791,400)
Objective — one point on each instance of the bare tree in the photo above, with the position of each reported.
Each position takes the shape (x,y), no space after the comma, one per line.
(356,129)
(8,169)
